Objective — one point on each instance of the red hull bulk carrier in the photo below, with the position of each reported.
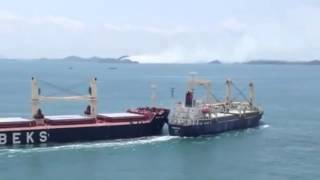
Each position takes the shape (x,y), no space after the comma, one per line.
(90,126)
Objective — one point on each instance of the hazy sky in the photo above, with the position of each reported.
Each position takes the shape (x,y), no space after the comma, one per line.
(161,30)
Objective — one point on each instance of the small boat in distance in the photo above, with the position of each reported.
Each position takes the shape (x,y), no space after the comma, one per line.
(211,116)
(90,126)
(112,68)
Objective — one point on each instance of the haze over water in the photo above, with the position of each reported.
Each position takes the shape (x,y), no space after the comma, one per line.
(286,147)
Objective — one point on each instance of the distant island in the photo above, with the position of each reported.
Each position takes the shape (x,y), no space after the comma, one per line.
(122,59)
(126,60)
(215,62)
(282,62)
(270,62)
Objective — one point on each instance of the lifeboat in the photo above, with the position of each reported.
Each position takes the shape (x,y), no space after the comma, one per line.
(206,110)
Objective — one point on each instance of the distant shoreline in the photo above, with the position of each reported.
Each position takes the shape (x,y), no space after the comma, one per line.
(121,60)
(127,60)
(281,62)
(271,62)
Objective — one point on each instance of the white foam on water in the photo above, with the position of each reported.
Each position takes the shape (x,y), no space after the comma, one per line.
(95,145)
(237,133)
(264,126)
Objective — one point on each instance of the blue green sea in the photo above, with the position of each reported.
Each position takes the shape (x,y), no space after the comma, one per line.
(285,147)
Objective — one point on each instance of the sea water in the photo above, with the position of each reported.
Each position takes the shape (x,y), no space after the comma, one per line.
(286,146)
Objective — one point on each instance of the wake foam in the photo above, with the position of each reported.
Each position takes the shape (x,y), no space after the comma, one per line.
(95,145)
(264,126)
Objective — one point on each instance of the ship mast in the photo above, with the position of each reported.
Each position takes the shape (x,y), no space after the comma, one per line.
(35,93)
(93,96)
(153,95)
(252,95)
(37,97)
(201,82)
(228,98)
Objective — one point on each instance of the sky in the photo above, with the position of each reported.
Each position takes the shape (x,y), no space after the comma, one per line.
(162,31)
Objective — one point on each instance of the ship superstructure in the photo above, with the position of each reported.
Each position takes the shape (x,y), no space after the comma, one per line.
(210,115)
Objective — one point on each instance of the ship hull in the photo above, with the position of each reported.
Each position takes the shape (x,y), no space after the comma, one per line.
(82,133)
(211,127)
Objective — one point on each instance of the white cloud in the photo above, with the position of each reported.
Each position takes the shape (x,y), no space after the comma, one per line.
(8,16)
(147,29)
(293,37)
(226,40)
(290,32)
(63,22)
(233,24)
(12,21)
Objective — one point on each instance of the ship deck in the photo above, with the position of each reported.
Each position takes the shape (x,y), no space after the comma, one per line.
(120,115)
(14,120)
(74,121)
(47,127)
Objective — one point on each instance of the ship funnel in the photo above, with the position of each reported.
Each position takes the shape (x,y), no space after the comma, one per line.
(189,99)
